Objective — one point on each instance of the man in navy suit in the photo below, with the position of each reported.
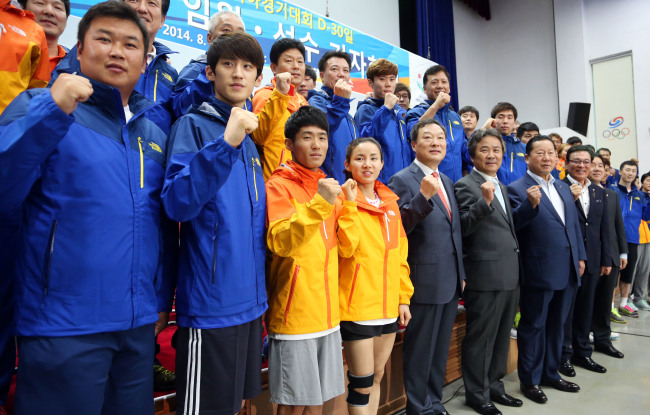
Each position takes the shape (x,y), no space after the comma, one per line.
(432,222)
(553,256)
(594,226)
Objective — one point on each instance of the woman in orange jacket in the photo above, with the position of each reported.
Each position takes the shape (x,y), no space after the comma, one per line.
(374,285)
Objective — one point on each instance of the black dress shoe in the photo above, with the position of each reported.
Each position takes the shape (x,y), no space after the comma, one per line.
(588,363)
(561,385)
(507,400)
(566,368)
(484,408)
(609,350)
(534,393)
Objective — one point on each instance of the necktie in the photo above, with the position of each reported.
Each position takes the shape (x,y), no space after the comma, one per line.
(441,195)
(498,194)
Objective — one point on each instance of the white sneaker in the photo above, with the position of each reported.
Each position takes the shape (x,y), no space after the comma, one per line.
(513,333)
(591,338)
(632,306)
(642,305)
(614,336)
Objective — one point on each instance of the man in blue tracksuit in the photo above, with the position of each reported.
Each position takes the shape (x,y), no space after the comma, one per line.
(514,164)
(334,99)
(635,206)
(159,77)
(214,185)
(382,118)
(437,105)
(192,86)
(85,167)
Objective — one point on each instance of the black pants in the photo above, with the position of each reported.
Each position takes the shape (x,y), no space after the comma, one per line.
(600,323)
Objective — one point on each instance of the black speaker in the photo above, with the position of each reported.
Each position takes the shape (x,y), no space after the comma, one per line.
(578,119)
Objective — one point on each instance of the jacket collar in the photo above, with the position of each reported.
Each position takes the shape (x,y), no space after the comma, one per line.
(385,195)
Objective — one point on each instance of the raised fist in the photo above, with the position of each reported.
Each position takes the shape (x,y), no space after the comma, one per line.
(283,82)
(240,123)
(488,190)
(390,100)
(350,190)
(68,90)
(343,89)
(329,189)
(429,187)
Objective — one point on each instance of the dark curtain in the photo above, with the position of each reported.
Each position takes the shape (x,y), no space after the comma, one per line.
(435,31)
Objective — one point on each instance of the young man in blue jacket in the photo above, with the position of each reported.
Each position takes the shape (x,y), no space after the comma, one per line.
(193,86)
(514,164)
(382,118)
(334,99)
(214,186)
(86,167)
(635,207)
(437,106)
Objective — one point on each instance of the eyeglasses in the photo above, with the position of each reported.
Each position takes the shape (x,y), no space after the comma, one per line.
(578,162)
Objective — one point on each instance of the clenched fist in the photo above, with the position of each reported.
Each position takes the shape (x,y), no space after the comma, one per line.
(429,187)
(442,99)
(488,190)
(343,89)
(283,82)
(240,123)
(68,90)
(534,195)
(329,189)
(390,100)
(350,190)
(576,191)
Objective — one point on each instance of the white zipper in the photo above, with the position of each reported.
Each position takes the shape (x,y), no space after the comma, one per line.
(325,230)
(387,229)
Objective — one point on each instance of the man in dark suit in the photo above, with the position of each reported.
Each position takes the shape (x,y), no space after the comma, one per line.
(553,256)
(618,253)
(594,226)
(432,222)
(491,259)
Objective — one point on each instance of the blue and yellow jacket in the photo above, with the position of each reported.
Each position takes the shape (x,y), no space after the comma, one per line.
(389,128)
(342,130)
(452,164)
(92,234)
(217,192)
(514,165)
(635,207)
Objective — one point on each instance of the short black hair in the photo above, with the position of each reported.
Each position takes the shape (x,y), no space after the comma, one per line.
(525,127)
(574,140)
(645,176)
(574,149)
(434,70)
(310,72)
(236,45)
(468,108)
(305,116)
(115,9)
(604,149)
(598,156)
(322,63)
(536,139)
(66,4)
(283,45)
(629,163)
(504,106)
(422,123)
(479,135)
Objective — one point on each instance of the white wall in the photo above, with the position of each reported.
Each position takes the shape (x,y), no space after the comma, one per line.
(510,58)
(378,18)
(612,27)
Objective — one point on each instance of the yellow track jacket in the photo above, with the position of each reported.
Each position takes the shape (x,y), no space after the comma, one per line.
(305,234)
(273,110)
(374,279)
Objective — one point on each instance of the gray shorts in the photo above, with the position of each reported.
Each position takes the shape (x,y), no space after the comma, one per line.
(306,372)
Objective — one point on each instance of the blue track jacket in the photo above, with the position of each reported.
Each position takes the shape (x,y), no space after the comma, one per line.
(88,184)
(513,166)
(452,164)
(635,206)
(342,130)
(217,191)
(389,128)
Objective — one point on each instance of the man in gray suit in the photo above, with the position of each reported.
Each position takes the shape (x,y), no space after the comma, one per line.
(432,223)
(491,258)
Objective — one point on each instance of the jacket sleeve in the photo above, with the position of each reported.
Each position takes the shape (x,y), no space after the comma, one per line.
(412,208)
(291,226)
(272,114)
(646,210)
(196,91)
(375,126)
(31,127)
(347,229)
(412,117)
(606,252)
(405,285)
(41,71)
(621,237)
(522,211)
(194,174)
(167,263)
(472,209)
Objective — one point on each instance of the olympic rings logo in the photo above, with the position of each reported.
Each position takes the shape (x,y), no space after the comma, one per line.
(613,132)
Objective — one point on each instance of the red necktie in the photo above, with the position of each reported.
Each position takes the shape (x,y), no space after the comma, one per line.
(441,195)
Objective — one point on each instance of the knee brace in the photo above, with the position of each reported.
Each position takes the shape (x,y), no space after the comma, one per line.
(359,382)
